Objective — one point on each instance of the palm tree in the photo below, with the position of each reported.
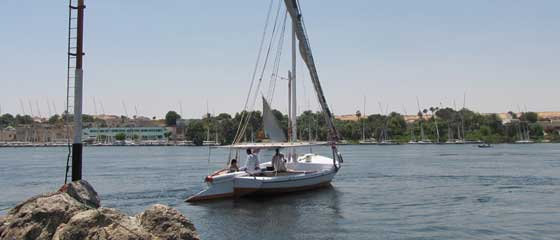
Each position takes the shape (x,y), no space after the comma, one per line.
(359,115)
(421,118)
(434,110)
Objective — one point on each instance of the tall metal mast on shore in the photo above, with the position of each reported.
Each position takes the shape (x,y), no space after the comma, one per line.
(75,72)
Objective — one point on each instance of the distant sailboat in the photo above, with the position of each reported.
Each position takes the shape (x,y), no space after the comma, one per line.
(411,127)
(423,139)
(384,135)
(458,123)
(523,131)
(364,141)
(209,142)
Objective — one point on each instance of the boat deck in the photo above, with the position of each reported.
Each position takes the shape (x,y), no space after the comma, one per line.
(287,173)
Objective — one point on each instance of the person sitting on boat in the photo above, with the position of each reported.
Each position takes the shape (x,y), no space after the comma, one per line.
(233,166)
(279,162)
(252,165)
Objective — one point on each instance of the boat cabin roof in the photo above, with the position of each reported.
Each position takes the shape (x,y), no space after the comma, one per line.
(270,145)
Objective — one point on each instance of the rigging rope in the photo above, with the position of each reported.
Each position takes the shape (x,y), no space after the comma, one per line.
(243,113)
(250,113)
(276,65)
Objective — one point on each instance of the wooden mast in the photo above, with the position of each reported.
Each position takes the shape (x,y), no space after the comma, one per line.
(293,85)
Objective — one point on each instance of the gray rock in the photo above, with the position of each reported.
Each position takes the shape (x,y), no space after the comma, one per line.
(73,213)
(83,192)
(158,222)
(2,227)
(38,217)
(167,223)
(102,223)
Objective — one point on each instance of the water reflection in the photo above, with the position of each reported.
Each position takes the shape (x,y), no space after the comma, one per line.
(303,213)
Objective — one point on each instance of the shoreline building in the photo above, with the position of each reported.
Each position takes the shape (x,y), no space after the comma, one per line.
(7,134)
(140,133)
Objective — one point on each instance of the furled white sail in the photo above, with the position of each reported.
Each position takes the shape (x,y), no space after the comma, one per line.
(272,128)
(305,51)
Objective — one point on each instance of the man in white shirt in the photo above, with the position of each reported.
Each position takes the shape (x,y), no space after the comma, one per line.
(279,162)
(252,163)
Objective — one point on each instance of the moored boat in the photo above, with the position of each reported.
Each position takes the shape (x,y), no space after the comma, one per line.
(485,145)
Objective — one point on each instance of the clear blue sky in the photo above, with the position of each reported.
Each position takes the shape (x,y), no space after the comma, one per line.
(154,54)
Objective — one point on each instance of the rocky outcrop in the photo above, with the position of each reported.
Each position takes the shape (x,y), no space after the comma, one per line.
(74,212)
(166,223)
(2,227)
(157,222)
(83,192)
(102,223)
(38,217)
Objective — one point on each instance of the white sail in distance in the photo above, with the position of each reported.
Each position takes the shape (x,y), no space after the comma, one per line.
(272,129)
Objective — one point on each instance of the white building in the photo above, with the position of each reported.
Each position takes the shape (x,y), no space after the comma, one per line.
(140,133)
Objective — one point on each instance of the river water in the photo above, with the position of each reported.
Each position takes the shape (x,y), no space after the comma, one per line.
(382,192)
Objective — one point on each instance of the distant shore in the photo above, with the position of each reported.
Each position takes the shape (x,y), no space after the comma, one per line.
(170,144)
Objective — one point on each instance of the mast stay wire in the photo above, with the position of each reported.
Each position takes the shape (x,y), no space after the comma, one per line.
(274,76)
(254,73)
(250,113)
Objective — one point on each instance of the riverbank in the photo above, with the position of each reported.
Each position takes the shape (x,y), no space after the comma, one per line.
(182,144)
(140,144)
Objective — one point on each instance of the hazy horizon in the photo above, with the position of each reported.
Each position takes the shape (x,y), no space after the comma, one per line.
(154,56)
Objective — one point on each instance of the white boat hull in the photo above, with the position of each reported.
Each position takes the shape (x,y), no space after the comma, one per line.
(309,172)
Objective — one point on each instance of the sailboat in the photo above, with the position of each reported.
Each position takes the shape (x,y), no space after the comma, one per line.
(411,127)
(524,137)
(423,139)
(305,171)
(209,142)
(523,132)
(384,134)
(364,141)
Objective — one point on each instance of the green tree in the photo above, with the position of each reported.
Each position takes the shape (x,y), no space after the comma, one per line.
(120,136)
(512,114)
(485,131)
(26,119)
(167,135)
(254,124)
(88,118)
(54,119)
(226,128)
(7,120)
(196,131)
(171,118)
(531,117)
(103,138)
(307,123)
(536,131)
(396,125)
